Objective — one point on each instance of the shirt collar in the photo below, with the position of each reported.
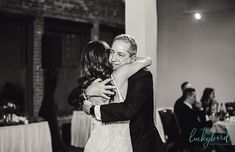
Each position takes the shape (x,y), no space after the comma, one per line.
(189,105)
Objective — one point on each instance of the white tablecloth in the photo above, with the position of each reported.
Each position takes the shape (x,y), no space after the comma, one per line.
(230,127)
(80,128)
(33,137)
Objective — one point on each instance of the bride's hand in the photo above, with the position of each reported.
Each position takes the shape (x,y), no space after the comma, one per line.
(99,88)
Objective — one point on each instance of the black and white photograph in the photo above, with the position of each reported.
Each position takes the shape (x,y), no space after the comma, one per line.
(117,75)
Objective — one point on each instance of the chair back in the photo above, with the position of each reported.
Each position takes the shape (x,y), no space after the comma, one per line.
(230,108)
(170,125)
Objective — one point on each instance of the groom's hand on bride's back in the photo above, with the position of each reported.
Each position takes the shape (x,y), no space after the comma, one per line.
(100,88)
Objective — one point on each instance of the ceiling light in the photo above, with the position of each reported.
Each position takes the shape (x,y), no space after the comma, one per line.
(197,16)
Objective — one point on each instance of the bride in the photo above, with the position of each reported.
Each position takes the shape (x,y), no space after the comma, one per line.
(115,136)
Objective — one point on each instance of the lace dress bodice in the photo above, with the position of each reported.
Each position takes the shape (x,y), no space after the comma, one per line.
(110,137)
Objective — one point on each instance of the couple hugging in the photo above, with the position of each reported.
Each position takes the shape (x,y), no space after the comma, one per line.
(117,90)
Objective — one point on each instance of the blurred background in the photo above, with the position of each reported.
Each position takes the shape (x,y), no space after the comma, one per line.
(41,43)
(39,36)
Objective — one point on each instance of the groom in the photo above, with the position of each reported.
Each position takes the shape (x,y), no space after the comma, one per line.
(138,105)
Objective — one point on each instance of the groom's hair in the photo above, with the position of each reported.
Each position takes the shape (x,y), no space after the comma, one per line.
(128,39)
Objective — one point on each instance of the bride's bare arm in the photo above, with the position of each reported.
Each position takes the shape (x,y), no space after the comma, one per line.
(122,73)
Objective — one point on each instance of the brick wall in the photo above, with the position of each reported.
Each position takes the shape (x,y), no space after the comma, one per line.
(96,12)
(106,11)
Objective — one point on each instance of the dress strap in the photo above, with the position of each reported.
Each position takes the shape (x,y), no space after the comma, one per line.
(118,91)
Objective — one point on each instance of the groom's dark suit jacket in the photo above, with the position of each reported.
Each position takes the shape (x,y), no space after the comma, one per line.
(138,108)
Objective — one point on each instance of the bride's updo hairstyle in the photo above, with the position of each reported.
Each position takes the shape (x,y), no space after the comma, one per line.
(95,63)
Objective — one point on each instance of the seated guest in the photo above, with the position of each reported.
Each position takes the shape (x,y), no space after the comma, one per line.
(209,104)
(210,109)
(188,117)
(184,86)
(207,108)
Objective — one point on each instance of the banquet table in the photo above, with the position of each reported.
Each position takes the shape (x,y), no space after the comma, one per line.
(229,125)
(34,137)
(80,128)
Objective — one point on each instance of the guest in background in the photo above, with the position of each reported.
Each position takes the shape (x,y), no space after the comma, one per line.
(207,108)
(209,104)
(188,118)
(185,85)
(178,102)
(48,110)
(210,111)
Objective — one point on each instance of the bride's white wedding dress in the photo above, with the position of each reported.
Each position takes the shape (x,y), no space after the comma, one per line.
(109,137)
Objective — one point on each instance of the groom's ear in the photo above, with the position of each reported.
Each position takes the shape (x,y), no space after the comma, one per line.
(133,58)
